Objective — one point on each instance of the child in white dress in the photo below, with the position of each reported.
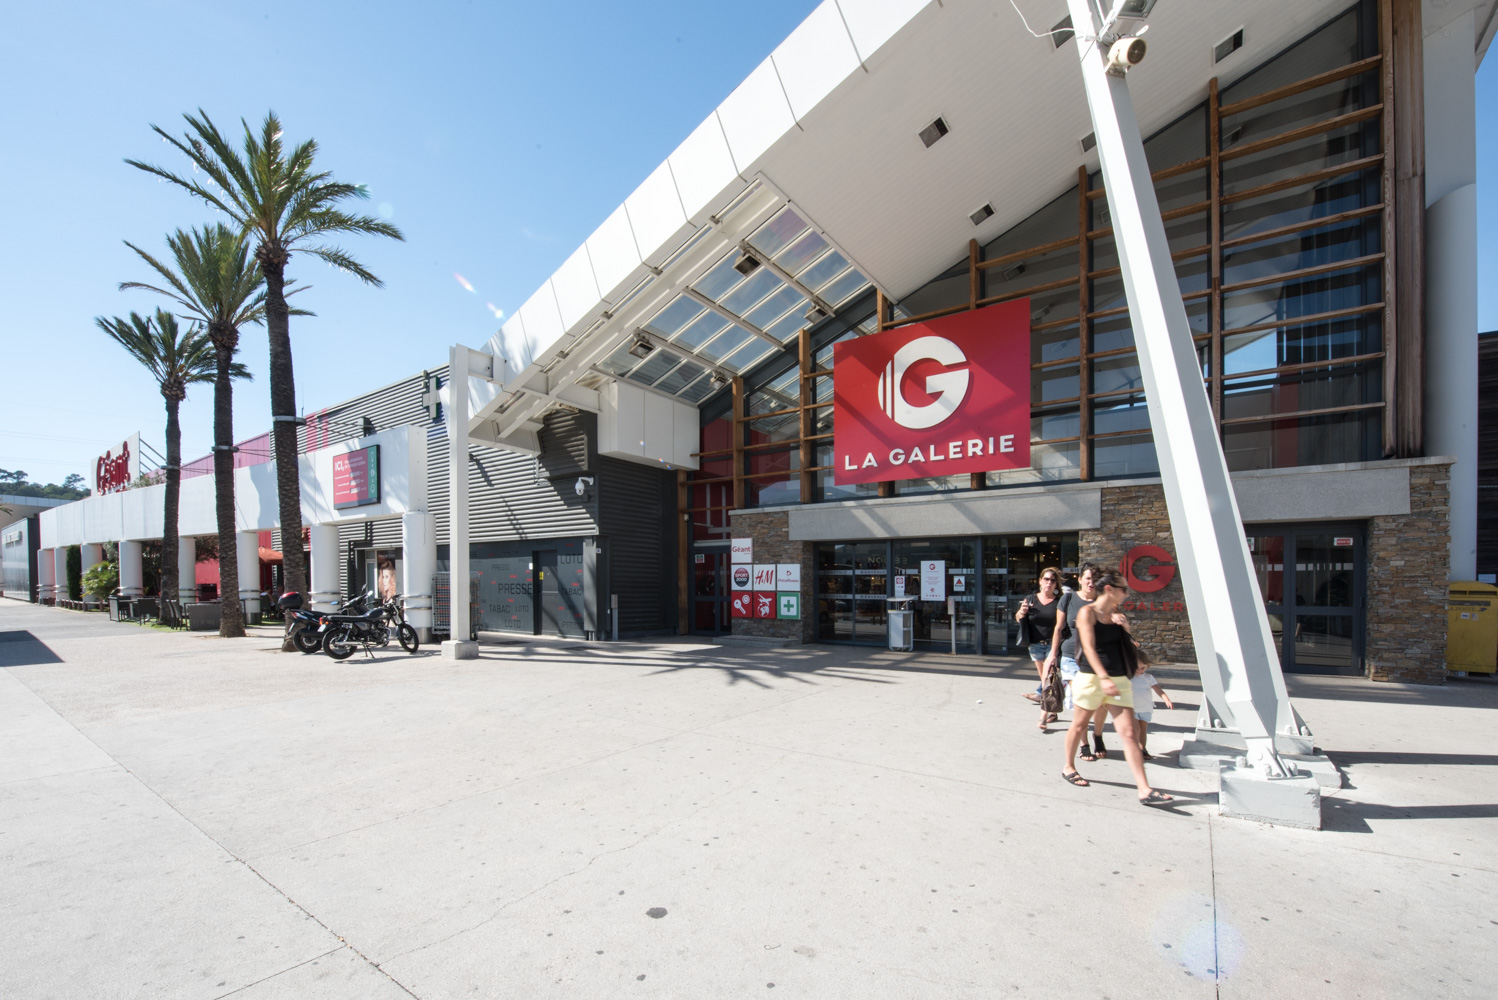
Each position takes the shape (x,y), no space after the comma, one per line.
(1145,689)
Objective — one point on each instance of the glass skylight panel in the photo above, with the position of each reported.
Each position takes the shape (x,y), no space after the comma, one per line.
(620,361)
(684,375)
(745,357)
(775,306)
(674,316)
(704,328)
(844,285)
(802,253)
(787,326)
(824,270)
(761,283)
(720,278)
(654,366)
(698,390)
(778,233)
(725,345)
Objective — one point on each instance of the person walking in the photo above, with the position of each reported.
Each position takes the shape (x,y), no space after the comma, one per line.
(1037,618)
(1064,641)
(1103,681)
(1145,689)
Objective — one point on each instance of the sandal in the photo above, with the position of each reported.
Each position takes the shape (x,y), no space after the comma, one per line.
(1085,753)
(1076,779)
(1100,751)
(1156,798)
(1051,717)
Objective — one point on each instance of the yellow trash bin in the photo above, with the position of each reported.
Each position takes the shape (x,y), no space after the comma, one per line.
(1472,628)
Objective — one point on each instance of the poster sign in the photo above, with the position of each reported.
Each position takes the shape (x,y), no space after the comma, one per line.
(741,577)
(959,584)
(356,478)
(764,577)
(934,580)
(1342,542)
(788,606)
(741,604)
(118,467)
(701,558)
(788,576)
(742,550)
(934,399)
(764,604)
(899,585)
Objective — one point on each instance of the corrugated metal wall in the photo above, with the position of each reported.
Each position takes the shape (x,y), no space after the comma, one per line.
(638,508)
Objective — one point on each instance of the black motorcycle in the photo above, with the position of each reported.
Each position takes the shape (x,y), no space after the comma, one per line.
(309,628)
(345,633)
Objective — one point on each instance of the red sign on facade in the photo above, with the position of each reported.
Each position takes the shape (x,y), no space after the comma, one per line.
(764,604)
(356,478)
(940,398)
(1147,568)
(742,604)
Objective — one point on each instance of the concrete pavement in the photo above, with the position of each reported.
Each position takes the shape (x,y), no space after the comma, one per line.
(185,816)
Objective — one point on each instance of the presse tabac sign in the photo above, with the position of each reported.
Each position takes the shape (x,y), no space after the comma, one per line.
(940,398)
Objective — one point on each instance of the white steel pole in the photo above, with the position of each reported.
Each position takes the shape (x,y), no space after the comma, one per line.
(1235,649)
(458,646)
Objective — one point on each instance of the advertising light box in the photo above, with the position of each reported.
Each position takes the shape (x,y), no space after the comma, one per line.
(940,398)
(356,478)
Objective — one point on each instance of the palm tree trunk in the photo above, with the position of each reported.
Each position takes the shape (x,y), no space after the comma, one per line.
(169,540)
(231,620)
(283,433)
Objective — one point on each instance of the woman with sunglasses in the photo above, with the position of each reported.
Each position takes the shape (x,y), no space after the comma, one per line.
(1103,680)
(1037,618)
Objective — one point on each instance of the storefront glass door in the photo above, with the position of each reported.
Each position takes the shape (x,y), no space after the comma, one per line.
(710,592)
(933,625)
(1311,578)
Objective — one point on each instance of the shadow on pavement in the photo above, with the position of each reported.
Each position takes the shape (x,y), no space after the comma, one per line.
(1352,817)
(22,649)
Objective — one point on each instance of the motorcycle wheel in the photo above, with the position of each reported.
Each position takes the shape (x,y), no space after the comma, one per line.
(307,641)
(339,644)
(407,635)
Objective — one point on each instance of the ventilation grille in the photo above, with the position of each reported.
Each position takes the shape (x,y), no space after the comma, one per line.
(1089,142)
(1061,32)
(934,131)
(981,215)
(1227,46)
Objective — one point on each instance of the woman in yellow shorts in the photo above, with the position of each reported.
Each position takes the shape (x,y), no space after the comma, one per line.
(1103,680)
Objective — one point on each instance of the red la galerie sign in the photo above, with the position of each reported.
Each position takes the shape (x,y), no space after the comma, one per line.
(940,398)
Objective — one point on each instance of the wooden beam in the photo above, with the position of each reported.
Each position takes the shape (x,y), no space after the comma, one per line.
(1409,224)
(807,449)
(1084,330)
(1214,256)
(1388,186)
(738,442)
(974,276)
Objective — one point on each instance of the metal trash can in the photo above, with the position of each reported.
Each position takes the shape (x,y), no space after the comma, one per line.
(1472,628)
(901,625)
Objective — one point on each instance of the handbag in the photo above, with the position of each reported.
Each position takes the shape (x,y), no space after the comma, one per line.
(1029,635)
(1129,653)
(1053,692)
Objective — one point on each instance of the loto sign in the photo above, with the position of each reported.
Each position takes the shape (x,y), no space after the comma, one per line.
(117,468)
(939,398)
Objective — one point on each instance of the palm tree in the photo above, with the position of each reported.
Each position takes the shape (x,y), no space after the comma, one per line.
(176,362)
(287,205)
(216,284)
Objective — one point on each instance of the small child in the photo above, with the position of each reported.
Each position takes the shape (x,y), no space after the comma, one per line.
(1145,689)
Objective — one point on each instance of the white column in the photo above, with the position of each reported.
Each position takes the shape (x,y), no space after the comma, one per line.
(60,573)
(1235,650)
(247,544)
(132,575)
(1451,274)
(46,576)
(419,561)
(458,646)
(324,576)
(187,569)
(90,554)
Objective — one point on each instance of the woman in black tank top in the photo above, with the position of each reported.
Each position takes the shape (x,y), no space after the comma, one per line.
(1037,618)
(1104,667)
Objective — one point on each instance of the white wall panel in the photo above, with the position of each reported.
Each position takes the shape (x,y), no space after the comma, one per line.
(656,214)
(816,57)
(576,290)
(614,254)
(874,22)
(513,347)
(756,113)
(543,321)
(703,168)
(646,427)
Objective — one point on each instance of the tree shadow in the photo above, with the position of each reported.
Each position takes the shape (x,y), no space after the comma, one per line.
(22,649)
(1349,816)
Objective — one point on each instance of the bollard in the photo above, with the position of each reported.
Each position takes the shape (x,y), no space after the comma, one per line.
(614,616)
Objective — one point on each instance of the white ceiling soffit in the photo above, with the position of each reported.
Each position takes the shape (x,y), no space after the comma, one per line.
(1436,15)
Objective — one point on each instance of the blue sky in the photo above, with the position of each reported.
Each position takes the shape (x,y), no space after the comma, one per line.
(496,135)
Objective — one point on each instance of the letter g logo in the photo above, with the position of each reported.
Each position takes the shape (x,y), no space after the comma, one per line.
(949,387)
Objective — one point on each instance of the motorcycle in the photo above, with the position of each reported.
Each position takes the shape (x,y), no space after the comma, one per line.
(309,628)
(375,628)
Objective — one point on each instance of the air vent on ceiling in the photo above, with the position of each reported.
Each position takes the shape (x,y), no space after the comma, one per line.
(1062,32)
(934,131)
(1010,273)
(1089,142)
(1232,137)
(1227,46)
(981,215)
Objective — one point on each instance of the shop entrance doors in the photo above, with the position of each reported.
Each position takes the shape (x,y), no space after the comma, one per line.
(1312,579)
(560,608)
(710,592)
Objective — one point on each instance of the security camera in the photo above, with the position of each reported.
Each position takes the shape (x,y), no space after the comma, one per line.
(1125,54)
(581,486)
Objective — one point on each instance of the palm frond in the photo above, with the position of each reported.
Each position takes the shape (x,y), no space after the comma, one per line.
(344,261)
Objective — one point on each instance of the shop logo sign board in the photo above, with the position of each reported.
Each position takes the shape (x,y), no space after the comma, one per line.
(742,574)
(1147,568)
(356,478)
(118,467)
(934,580)
(742,550)
(941,398)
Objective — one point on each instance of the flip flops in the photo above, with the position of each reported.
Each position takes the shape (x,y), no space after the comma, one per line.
(1076,779)
(1156,798)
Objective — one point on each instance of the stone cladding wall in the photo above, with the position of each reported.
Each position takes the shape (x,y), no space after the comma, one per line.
(1134,516)
(1409,560)
(772,544)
